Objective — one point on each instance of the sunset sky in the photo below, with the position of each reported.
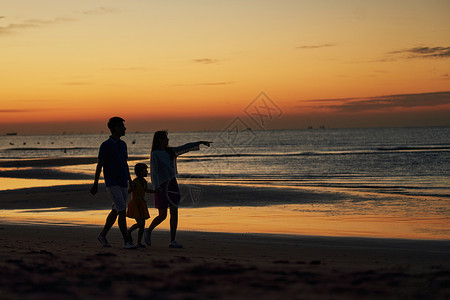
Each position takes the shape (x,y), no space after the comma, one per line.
(197,65)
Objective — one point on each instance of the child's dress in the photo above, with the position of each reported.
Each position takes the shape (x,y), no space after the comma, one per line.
(137,207)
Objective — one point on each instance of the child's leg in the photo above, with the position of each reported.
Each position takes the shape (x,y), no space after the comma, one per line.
(141,225)
(133,227)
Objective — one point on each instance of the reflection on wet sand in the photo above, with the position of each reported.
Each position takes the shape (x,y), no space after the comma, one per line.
(276,219)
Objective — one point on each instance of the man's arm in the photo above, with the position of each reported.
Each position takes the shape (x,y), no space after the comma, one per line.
(98,171)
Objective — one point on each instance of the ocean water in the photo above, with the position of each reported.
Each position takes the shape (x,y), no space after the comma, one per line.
(378,182)
(406,161)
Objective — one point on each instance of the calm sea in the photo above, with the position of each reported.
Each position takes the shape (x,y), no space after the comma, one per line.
(383,182)
(409,161)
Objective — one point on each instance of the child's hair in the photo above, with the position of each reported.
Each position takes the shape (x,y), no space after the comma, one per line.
(156,145)
(113,122)
(139,167)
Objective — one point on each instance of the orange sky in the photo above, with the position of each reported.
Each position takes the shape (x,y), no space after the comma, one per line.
(197,65)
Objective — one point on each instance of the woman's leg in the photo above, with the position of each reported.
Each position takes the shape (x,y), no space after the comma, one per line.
(173,222)
(158,219)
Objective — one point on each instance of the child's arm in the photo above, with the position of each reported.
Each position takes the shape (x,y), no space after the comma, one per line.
(131,186)
(146,189)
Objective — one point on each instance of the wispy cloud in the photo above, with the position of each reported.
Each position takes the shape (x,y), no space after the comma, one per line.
(205,61)
(207,84)
(424,52)
(31,23)
(14,111)
(38,23)
(99,11)
(78,83)
(378,103)
(127,69)
(306,47)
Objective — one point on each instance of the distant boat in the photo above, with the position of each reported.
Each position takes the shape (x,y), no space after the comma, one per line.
(11,133)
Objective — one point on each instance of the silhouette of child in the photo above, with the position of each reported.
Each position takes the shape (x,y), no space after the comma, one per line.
(137,207)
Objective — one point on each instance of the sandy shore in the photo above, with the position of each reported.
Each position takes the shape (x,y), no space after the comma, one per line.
(52,262)
(55,262)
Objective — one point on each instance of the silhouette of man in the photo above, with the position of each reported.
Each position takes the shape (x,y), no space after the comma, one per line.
(112,157)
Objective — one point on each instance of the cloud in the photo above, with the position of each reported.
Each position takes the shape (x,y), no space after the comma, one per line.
(77,83)
(378,103)
(424,52)
(31,23)
(206,61)
(207,84)
(99,11)
(305,47)
(214,83)
(37,23)
(14,111)
(127,69)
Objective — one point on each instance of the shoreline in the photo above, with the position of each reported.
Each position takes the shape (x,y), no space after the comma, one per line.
(50,262)
(216,206)
(231,209)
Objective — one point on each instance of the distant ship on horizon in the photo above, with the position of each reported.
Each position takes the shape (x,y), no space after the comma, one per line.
(11,133)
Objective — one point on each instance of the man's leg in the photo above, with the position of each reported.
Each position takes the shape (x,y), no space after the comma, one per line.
(123,226)
(110,220)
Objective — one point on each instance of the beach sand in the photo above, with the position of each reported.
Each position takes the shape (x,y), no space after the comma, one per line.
(41,260)
(56,261)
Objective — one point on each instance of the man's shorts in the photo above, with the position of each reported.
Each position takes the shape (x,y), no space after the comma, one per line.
(118,196)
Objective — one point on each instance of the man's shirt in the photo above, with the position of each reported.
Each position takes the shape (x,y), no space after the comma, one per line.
(115,167)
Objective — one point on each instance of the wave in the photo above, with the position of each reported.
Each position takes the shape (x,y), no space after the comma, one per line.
(319,153)
(37,149)
(415,148)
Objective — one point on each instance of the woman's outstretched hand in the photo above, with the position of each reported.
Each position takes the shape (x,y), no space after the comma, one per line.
(206,143)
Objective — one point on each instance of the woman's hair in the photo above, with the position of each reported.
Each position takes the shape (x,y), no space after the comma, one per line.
(156,145)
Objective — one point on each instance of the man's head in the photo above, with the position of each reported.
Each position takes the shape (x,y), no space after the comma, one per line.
(116,126)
